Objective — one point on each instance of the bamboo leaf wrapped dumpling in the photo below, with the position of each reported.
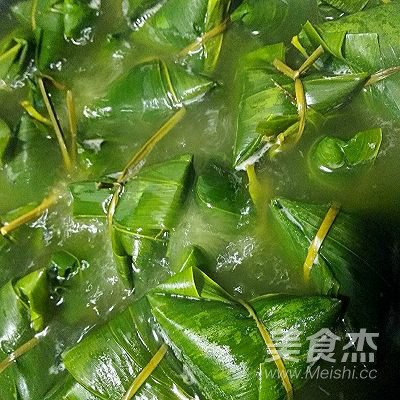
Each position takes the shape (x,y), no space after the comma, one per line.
(267,105)
(221,194)
(19,241)
(26,306)
(363,41)
(53,20)
(332,159)
(141,99)
(275,20)
(146,213)
(351,261)
(23,159)
(174,25)
(220,343)
(106,363)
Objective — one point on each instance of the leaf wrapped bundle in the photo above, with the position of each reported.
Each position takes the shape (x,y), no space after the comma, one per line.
(105,364)
(174,25)
(27,156)
(275,20)
(351,261)
(267,106)
(332,158)
(146,213)
(220,343)
(108,361)
(22,238)
(221,194)
(14,51)
(143,98)
(26,306)
(365,41)
(52,20)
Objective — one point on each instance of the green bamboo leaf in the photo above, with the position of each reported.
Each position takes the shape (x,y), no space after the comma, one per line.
(48,28)
(33,290)
(143,98)
(14,50)
(351,260)
(267,104)
(151,199)
(194,283)
(49,36)
(225,360)
(330,10)
(52,19)
(15,330)
(22,240)
(107,361)
(5,136)
(275,20)
(172,26)
(348,6)
(26,162)
(61,272)
(146,213)
(77,16)
(90,200)
(192,256)
(137,11)
(26,306)
(332,157)
(221,194)
(363,41)
(69,389)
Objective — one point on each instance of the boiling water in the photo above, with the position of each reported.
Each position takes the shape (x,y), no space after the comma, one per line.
(245,261)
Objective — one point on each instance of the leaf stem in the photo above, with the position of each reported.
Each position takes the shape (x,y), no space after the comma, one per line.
(28,107)
(33,14)
(167,76)
(30,215)
(18,353)
(300,98)
(296,43)
(381,75)
(149,145)
(272,350)
(56,125)
(207,36)
(301,107)
(255,188)
(58,85)
(72,125)
(12,51)
(285,69)
(319,239)
(310,61)
(113,206)
(146,372)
